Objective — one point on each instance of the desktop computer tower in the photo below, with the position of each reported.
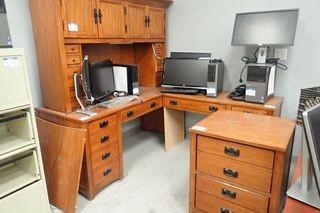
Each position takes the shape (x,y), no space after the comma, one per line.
(133,80)
(260,82)
(126,78)
(215,78)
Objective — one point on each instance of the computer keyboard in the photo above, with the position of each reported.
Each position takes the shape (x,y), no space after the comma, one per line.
(180,91)
(114,102)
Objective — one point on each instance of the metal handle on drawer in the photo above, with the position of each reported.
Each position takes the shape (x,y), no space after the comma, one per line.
(130,113)
(173,102)
(107,172)
(229,193)
(106,155)
(230,173)
(225,210)
(231,151)
(213,108)
(104,139)
(153,104)
(103,124)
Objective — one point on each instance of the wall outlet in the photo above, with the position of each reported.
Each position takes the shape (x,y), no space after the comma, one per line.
(281,53)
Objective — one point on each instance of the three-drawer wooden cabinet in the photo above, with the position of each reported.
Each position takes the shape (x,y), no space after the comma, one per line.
(239,166)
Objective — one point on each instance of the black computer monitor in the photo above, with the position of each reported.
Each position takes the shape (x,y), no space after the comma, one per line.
(102,79)
(186,73)
(265,28)
(311,121)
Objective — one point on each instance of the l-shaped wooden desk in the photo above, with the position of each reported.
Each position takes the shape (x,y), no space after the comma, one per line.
(85,153)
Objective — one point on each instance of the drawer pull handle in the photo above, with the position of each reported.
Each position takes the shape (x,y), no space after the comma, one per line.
(229,193)
(106,155)
(231,151)
(173,102)
(130,113)
(103,124)
(105,139)
(72,49)
(153,104)
(213,108)
(225,210)
(230,173)
(107,172)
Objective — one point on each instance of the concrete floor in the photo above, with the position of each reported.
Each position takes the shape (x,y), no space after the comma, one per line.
(155,181)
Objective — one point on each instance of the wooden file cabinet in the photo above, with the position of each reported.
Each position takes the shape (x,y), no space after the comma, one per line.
(239,166)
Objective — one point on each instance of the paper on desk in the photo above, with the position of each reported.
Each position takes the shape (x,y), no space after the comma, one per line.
(120,78)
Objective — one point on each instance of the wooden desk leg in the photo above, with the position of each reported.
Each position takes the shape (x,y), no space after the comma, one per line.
(174,127)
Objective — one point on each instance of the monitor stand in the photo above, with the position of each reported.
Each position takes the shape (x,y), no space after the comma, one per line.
(262,54)
(305,189)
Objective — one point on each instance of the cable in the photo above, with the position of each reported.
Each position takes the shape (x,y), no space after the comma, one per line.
(154,52)
(241,80)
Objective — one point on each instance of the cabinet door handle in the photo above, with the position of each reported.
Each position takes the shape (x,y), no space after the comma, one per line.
(130,113)
(232,152)
(225,210)
(106,155)
(228,193)
(173,102)
(230,173)
(146,21)
(213,108)
(153,104)
(95,16)
(104,139)
(103,124)
(107,172)
(100,16)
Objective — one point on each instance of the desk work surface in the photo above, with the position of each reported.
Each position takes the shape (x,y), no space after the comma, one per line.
(147,94)
(267,132)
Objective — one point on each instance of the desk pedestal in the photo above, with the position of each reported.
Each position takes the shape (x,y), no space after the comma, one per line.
(173,127)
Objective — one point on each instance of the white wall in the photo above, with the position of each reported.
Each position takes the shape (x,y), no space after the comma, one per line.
(21,32)
(206,25)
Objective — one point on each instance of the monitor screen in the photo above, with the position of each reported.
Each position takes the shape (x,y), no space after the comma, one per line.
(311,119)
(265,28)
(102,79)
(185,72)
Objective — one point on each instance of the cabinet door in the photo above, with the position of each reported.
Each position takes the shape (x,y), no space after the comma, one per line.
(79,20)
(156,22)
(62,151)
(136,20)
(111,21)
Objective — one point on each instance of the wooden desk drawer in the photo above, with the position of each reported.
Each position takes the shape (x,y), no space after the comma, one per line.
(104,155)
(73,60)
(100,126)
(243,153)
(141,109)
(106,173)
(235,195)
(104,139)
(188,105)
(248,110)
(211,204)
(72,48)
(233,171)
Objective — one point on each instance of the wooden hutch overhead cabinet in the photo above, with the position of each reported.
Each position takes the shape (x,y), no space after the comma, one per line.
(111,19)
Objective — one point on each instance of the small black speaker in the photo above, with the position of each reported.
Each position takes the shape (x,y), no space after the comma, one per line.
(133,80)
